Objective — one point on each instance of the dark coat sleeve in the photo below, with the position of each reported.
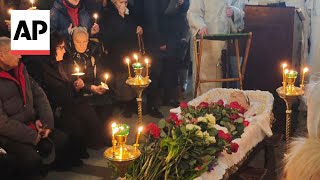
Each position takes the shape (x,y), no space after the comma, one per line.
(15,129)
(62,92)
(41,103)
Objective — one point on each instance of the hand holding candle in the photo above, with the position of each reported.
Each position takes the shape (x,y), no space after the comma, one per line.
(128,62)
(138,135)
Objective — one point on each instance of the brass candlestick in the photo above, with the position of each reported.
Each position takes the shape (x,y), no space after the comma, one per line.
(289,94)
(121,155)
(138,83)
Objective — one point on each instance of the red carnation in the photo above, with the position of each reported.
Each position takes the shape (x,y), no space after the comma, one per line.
(236,105)
(224,136)
(203,105)
(184,105)
(246,123)
(178,122)
(154,130)
(234,116)
(173,116)
(234,147)
(220,102)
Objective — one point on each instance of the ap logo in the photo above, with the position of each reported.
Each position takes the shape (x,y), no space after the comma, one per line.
(30,32)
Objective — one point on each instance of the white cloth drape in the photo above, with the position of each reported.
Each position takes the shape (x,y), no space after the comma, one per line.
(212,14)
(313,9)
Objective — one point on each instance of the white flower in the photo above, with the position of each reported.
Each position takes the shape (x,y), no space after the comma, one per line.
(190,127)
(206,134)
(202,119)
(211,140)
(199,134)
(224,129)
(211,119)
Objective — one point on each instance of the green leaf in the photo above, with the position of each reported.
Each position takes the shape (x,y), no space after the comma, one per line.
(183,130)
(239,120)
(162,123)
(212,131)
(162,134)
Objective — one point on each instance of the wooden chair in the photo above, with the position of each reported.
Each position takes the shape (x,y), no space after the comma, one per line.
(198,46)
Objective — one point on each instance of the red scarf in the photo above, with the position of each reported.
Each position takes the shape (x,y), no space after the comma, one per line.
(73,13)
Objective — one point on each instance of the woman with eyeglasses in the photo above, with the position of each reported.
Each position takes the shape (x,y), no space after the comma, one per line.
(76,116)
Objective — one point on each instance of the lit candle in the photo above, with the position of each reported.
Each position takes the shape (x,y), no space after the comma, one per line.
(285,80)
(138,135)
(77,71)
(95,16)
(135,56)
(113,132)
(106,76)
(305,70)
(147,64)
(32,7)
(284,65)
(128,62)
(9,11)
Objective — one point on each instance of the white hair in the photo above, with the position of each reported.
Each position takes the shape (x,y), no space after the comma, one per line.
(4,42)
(78,30)
(303,159)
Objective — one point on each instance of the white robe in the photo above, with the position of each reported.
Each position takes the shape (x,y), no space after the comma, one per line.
(212,14)
(313,119)
(313,8)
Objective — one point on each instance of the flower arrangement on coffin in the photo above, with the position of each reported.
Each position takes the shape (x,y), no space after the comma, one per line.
(185,146)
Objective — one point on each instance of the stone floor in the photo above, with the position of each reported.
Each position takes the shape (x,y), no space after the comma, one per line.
(95,168)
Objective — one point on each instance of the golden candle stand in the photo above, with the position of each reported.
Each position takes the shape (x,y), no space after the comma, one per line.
(121,155)
(289,93)
(138,83)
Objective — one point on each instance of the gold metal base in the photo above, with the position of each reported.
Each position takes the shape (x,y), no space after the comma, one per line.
(139,83)
(122,158)
(289,97)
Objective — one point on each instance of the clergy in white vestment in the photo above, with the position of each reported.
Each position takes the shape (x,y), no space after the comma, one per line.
(313,8)
(213,17)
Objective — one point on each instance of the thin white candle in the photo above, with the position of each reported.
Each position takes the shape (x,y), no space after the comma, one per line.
(138,135)
(147,64)
(305,70)
(128,62)
(95,16)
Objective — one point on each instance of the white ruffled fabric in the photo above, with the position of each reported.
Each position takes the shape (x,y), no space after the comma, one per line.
(259,116)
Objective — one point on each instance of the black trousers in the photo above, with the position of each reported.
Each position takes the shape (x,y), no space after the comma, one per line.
(26,161)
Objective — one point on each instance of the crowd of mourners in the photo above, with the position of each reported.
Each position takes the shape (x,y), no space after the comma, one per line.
(49,117)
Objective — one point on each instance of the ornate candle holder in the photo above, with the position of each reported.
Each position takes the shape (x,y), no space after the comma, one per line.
(138,83)
(289,93)
(120,154)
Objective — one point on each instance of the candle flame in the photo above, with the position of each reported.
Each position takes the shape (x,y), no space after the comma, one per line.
(106,76)
(127,60)
(140,129)
(77,69)
(147,61)
(31,1)
(284,65)
(135,56)
(9,11)
(305,70)
(95,15)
